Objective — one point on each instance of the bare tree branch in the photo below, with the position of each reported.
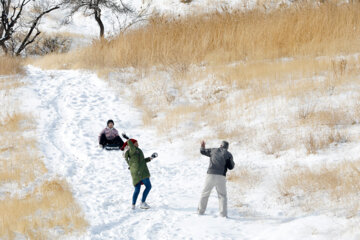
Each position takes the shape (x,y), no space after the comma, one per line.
(26,40)
(11,24)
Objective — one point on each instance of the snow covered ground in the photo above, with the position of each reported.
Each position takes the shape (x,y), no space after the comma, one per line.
(73,106)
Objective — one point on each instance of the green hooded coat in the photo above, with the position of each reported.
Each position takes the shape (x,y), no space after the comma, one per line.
(137,163)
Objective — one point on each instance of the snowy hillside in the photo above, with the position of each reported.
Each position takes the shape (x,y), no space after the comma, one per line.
(293,124)
(72,107)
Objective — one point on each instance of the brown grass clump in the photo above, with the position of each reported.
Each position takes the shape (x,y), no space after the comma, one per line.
(326,186)
(300,30)
(327,117)
(21,166)
(244,177)
(50,207)
(274,143)
(17,122)
(313,143)
(10,65)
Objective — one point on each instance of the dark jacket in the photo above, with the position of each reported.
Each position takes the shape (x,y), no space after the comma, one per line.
(137,163)
(220,160)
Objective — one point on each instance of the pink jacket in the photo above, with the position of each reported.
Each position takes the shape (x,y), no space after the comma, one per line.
(110,133)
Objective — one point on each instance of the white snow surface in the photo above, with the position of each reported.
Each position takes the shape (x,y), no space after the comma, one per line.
(72,107)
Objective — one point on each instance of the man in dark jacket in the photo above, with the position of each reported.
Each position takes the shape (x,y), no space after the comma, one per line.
(220,161)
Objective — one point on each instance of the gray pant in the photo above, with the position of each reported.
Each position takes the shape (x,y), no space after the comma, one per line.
(219,182)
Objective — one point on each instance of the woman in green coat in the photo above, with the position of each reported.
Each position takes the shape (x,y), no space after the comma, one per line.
(139,171)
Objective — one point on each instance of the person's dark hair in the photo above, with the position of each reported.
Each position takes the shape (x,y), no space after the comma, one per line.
(224,144)
(110,121)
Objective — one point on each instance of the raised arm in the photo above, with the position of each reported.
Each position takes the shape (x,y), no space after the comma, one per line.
(203,150)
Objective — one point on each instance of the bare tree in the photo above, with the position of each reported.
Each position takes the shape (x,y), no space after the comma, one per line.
(95,8)
(14,22)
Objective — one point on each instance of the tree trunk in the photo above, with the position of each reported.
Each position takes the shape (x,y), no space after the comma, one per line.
(100,23)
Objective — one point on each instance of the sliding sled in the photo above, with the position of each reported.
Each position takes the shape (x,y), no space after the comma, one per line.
(111,147)
(116,144)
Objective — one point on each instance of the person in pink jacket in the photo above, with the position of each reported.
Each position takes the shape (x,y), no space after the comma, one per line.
(110,136)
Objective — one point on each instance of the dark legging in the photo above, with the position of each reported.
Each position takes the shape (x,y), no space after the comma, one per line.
(104,141)
(147,184)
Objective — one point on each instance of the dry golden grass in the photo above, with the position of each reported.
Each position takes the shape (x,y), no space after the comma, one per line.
(17,122)
(244,177)
(9,83)
(47,212)
(332,186)
(300,30)
(330,118)
(274,143)
(50,206)
(22,165)
(10,65)
(313,143)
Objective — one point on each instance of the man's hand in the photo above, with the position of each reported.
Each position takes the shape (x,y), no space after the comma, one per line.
(202,144)
(125,136)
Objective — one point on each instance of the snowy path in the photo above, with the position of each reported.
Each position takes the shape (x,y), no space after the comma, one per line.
(72,108)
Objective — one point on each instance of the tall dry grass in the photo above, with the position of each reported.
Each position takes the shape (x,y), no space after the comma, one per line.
(30,207)
(10,65)
(298,30)
(50,207)
(322,140)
